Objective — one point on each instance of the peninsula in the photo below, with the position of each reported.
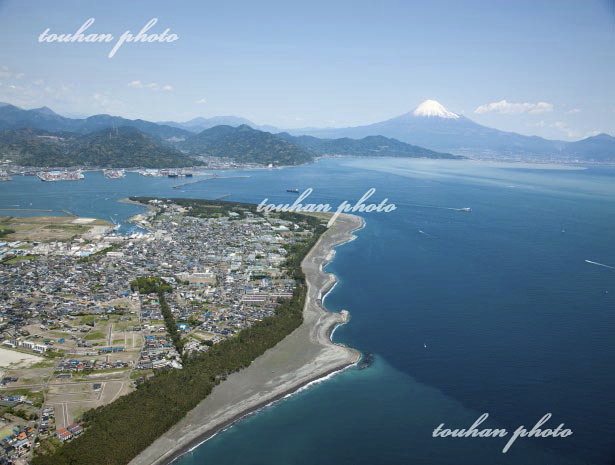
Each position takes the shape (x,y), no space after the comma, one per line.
(304,356)
(211,311)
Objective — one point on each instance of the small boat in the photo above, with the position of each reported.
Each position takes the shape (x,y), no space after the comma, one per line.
(465,209)
(294,191)
(424,345)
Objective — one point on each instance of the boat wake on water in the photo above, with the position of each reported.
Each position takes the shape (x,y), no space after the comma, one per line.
(600,264)
(425,234)
(462,209)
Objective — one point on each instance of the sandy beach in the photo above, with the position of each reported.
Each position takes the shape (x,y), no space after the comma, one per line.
(305,355)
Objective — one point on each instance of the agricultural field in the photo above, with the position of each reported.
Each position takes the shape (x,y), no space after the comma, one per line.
(74,375)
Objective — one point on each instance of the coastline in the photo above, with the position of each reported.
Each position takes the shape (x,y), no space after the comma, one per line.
(305,356)
(137,218)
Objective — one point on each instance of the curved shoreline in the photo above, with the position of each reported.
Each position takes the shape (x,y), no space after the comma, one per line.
(305,356)
(195,443)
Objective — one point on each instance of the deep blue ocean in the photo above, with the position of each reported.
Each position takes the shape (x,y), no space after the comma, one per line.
(493,310)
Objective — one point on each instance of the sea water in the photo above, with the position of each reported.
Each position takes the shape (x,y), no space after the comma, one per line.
(490,311)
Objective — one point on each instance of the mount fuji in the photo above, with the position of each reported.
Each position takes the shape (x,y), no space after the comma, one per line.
(432,108)
(431,125)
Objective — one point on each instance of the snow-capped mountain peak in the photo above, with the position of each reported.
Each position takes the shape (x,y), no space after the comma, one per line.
(432,108)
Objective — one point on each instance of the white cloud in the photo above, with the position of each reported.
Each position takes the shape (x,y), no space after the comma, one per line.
(30,93)
(514,108)
(6,73)
(107,103)
(201,101)
(564,128)
(573,111)
(151,85)
(135,84)
(560,125)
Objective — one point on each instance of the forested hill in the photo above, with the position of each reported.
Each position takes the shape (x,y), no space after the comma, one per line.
(246,145)
(370,146)
(109,148)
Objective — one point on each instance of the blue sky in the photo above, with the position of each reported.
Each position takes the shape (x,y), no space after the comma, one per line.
(535,67)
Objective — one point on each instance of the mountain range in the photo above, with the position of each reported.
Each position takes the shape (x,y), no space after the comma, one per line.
(41,137)
(12,117)
(200,124)
(430,131)
(121,147)
(600,148)
(244,144)
(370,146)
(432,125)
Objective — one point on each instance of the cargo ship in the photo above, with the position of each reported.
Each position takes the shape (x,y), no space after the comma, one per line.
(114,174)
(179,174)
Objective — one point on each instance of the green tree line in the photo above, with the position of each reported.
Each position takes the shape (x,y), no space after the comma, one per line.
(150,285)
(170,322)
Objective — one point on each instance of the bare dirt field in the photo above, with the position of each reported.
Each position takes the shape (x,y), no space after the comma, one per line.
(14,359)
(51,228)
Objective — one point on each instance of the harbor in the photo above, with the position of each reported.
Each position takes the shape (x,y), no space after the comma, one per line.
(51,176)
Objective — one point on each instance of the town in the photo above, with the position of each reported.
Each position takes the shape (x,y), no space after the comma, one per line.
(82,319)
